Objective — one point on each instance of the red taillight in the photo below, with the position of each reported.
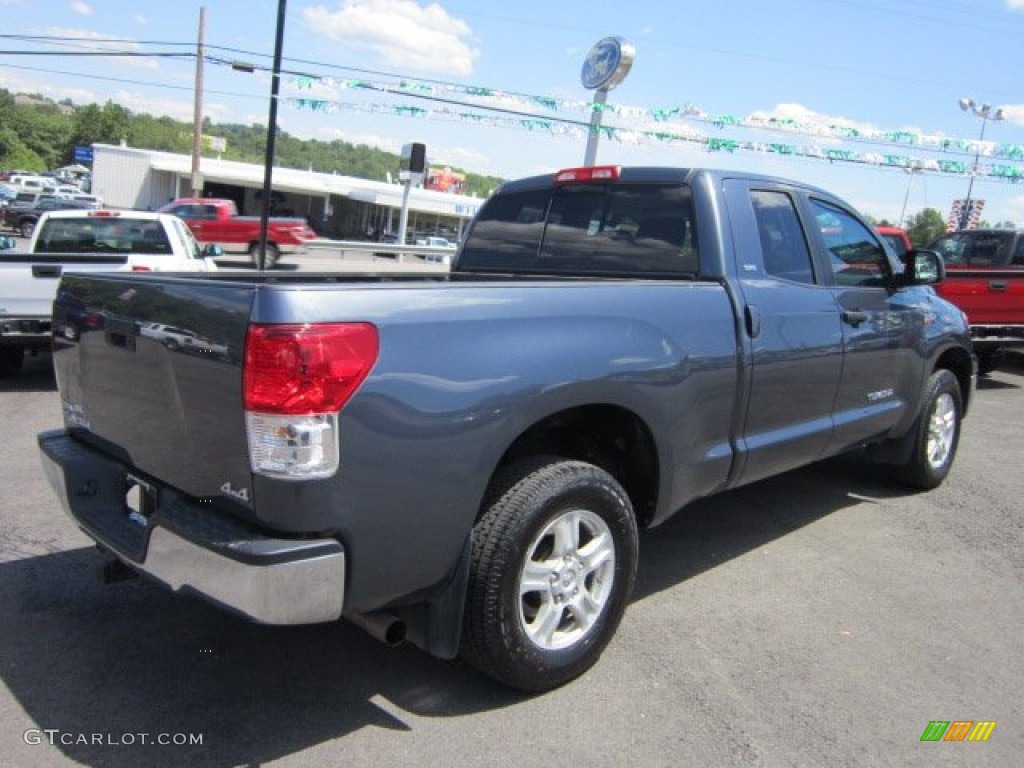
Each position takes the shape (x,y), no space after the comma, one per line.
(141,268)
(304,369)
(588,173)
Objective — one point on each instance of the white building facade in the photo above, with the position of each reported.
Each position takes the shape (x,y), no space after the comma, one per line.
(336,206)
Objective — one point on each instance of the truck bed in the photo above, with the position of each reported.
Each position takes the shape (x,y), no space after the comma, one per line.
(451,371)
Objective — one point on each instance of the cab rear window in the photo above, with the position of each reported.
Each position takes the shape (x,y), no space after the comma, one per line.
(634,229)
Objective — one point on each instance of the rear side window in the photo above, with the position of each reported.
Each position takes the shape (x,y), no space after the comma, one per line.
(978,249)
(783,245)
(587,229)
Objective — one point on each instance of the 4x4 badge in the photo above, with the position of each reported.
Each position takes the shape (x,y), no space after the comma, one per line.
(241,493)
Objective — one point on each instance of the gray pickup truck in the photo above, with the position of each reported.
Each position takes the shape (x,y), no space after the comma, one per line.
(463,460)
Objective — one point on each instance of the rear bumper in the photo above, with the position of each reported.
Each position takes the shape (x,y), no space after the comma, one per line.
(25,330)
(985,337)
(188,545)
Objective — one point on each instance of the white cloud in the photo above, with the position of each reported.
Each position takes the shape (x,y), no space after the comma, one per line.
(377,141)
(402,33)
(1014,207)
(83,8)
(138,18)
(91,41)
(808,117)
(1014,113)
(1015,5)
(18,84)
(154,104)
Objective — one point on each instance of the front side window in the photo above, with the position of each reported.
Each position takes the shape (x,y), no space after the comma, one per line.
(857,258)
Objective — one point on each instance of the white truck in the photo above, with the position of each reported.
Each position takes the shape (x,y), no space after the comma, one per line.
(83,241)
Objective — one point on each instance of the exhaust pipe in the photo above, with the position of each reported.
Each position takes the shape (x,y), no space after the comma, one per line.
(383,626)
(112,571)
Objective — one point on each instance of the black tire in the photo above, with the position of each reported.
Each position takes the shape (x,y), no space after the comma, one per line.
(273,254)
(936,433)
(989,360)
(25,228)
(11,361)
(571,526)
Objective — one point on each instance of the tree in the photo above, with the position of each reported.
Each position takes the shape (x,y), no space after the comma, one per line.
(925,226)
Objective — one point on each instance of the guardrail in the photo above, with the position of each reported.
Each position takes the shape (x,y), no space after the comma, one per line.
(427,253)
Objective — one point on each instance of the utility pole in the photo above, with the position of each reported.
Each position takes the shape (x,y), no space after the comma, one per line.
(197,113)
(268,160)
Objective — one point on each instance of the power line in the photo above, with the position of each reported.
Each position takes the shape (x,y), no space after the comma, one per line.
(128,81)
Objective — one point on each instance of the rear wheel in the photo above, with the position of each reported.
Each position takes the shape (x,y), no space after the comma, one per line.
(273,254)
(11,360)
(554,561)
(936,432)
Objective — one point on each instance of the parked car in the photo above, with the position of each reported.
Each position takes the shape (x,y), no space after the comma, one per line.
(7,193)
(23,217)
(985,278)
(216,221)
(68,240)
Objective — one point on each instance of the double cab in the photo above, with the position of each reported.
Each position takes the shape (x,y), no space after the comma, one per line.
(464,459)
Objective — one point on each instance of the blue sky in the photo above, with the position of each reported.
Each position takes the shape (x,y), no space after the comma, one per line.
(887,74)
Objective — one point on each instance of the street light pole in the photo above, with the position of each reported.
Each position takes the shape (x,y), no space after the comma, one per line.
(986,112)
(906,196)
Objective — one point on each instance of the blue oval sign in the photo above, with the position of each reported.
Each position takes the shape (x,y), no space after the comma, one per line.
(607,64)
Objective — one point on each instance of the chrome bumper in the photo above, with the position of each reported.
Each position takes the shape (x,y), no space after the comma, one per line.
(190,546)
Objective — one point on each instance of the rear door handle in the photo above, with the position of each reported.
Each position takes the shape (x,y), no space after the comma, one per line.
(998,285)
(853,318)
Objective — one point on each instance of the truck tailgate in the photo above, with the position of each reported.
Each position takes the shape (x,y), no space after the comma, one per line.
(29,281)
(173,410)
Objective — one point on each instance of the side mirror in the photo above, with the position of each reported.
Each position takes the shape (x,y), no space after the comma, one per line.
(923,267)
(7,243)
(213,251)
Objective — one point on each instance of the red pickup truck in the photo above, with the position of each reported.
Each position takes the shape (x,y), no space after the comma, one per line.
(985,278)
(216,221)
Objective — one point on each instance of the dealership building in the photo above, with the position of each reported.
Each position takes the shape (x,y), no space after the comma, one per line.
(341,207)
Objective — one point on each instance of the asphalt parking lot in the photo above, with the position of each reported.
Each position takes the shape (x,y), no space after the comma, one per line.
(824,617)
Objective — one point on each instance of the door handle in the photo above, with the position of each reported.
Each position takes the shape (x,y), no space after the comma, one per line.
(46,270)
(998,285)
(753,320)
(853,318)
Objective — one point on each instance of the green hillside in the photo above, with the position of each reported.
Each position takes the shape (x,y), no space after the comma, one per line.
(37,134)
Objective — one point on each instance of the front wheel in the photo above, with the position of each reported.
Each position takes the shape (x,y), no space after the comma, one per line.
(273,253)
(554,561)
(936,432)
